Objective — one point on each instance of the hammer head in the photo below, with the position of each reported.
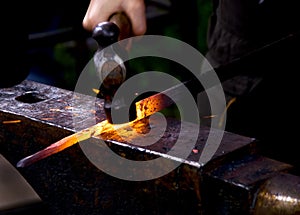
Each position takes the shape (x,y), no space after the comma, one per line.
(106,33)
(109,66)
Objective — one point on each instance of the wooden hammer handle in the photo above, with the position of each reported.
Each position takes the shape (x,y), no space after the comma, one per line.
(123,22)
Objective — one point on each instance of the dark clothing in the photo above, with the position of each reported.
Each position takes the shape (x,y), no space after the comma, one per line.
(261,109)
(240,26)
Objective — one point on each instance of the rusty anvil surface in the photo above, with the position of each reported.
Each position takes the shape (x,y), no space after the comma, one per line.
(70,184)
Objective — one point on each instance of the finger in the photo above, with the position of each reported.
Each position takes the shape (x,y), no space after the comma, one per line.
(135,10)
(98,11)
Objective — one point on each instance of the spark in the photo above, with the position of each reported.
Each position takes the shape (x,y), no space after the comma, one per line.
(11,121)
(230,102)
(96,91)
(209,116)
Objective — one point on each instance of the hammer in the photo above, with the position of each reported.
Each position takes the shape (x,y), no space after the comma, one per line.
(108,63)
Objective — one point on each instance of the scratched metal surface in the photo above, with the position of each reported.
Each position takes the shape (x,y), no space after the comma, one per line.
(47,104)
(69,183)
(65,109)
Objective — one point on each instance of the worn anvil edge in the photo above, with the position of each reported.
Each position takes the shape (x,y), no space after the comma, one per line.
(148,151)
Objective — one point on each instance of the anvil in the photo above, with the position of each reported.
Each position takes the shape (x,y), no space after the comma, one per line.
(34,115)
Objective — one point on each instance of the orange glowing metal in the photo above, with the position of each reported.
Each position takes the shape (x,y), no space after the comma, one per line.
(68,141)
(159,101)
(11,121)
(144,108)
(147,107)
